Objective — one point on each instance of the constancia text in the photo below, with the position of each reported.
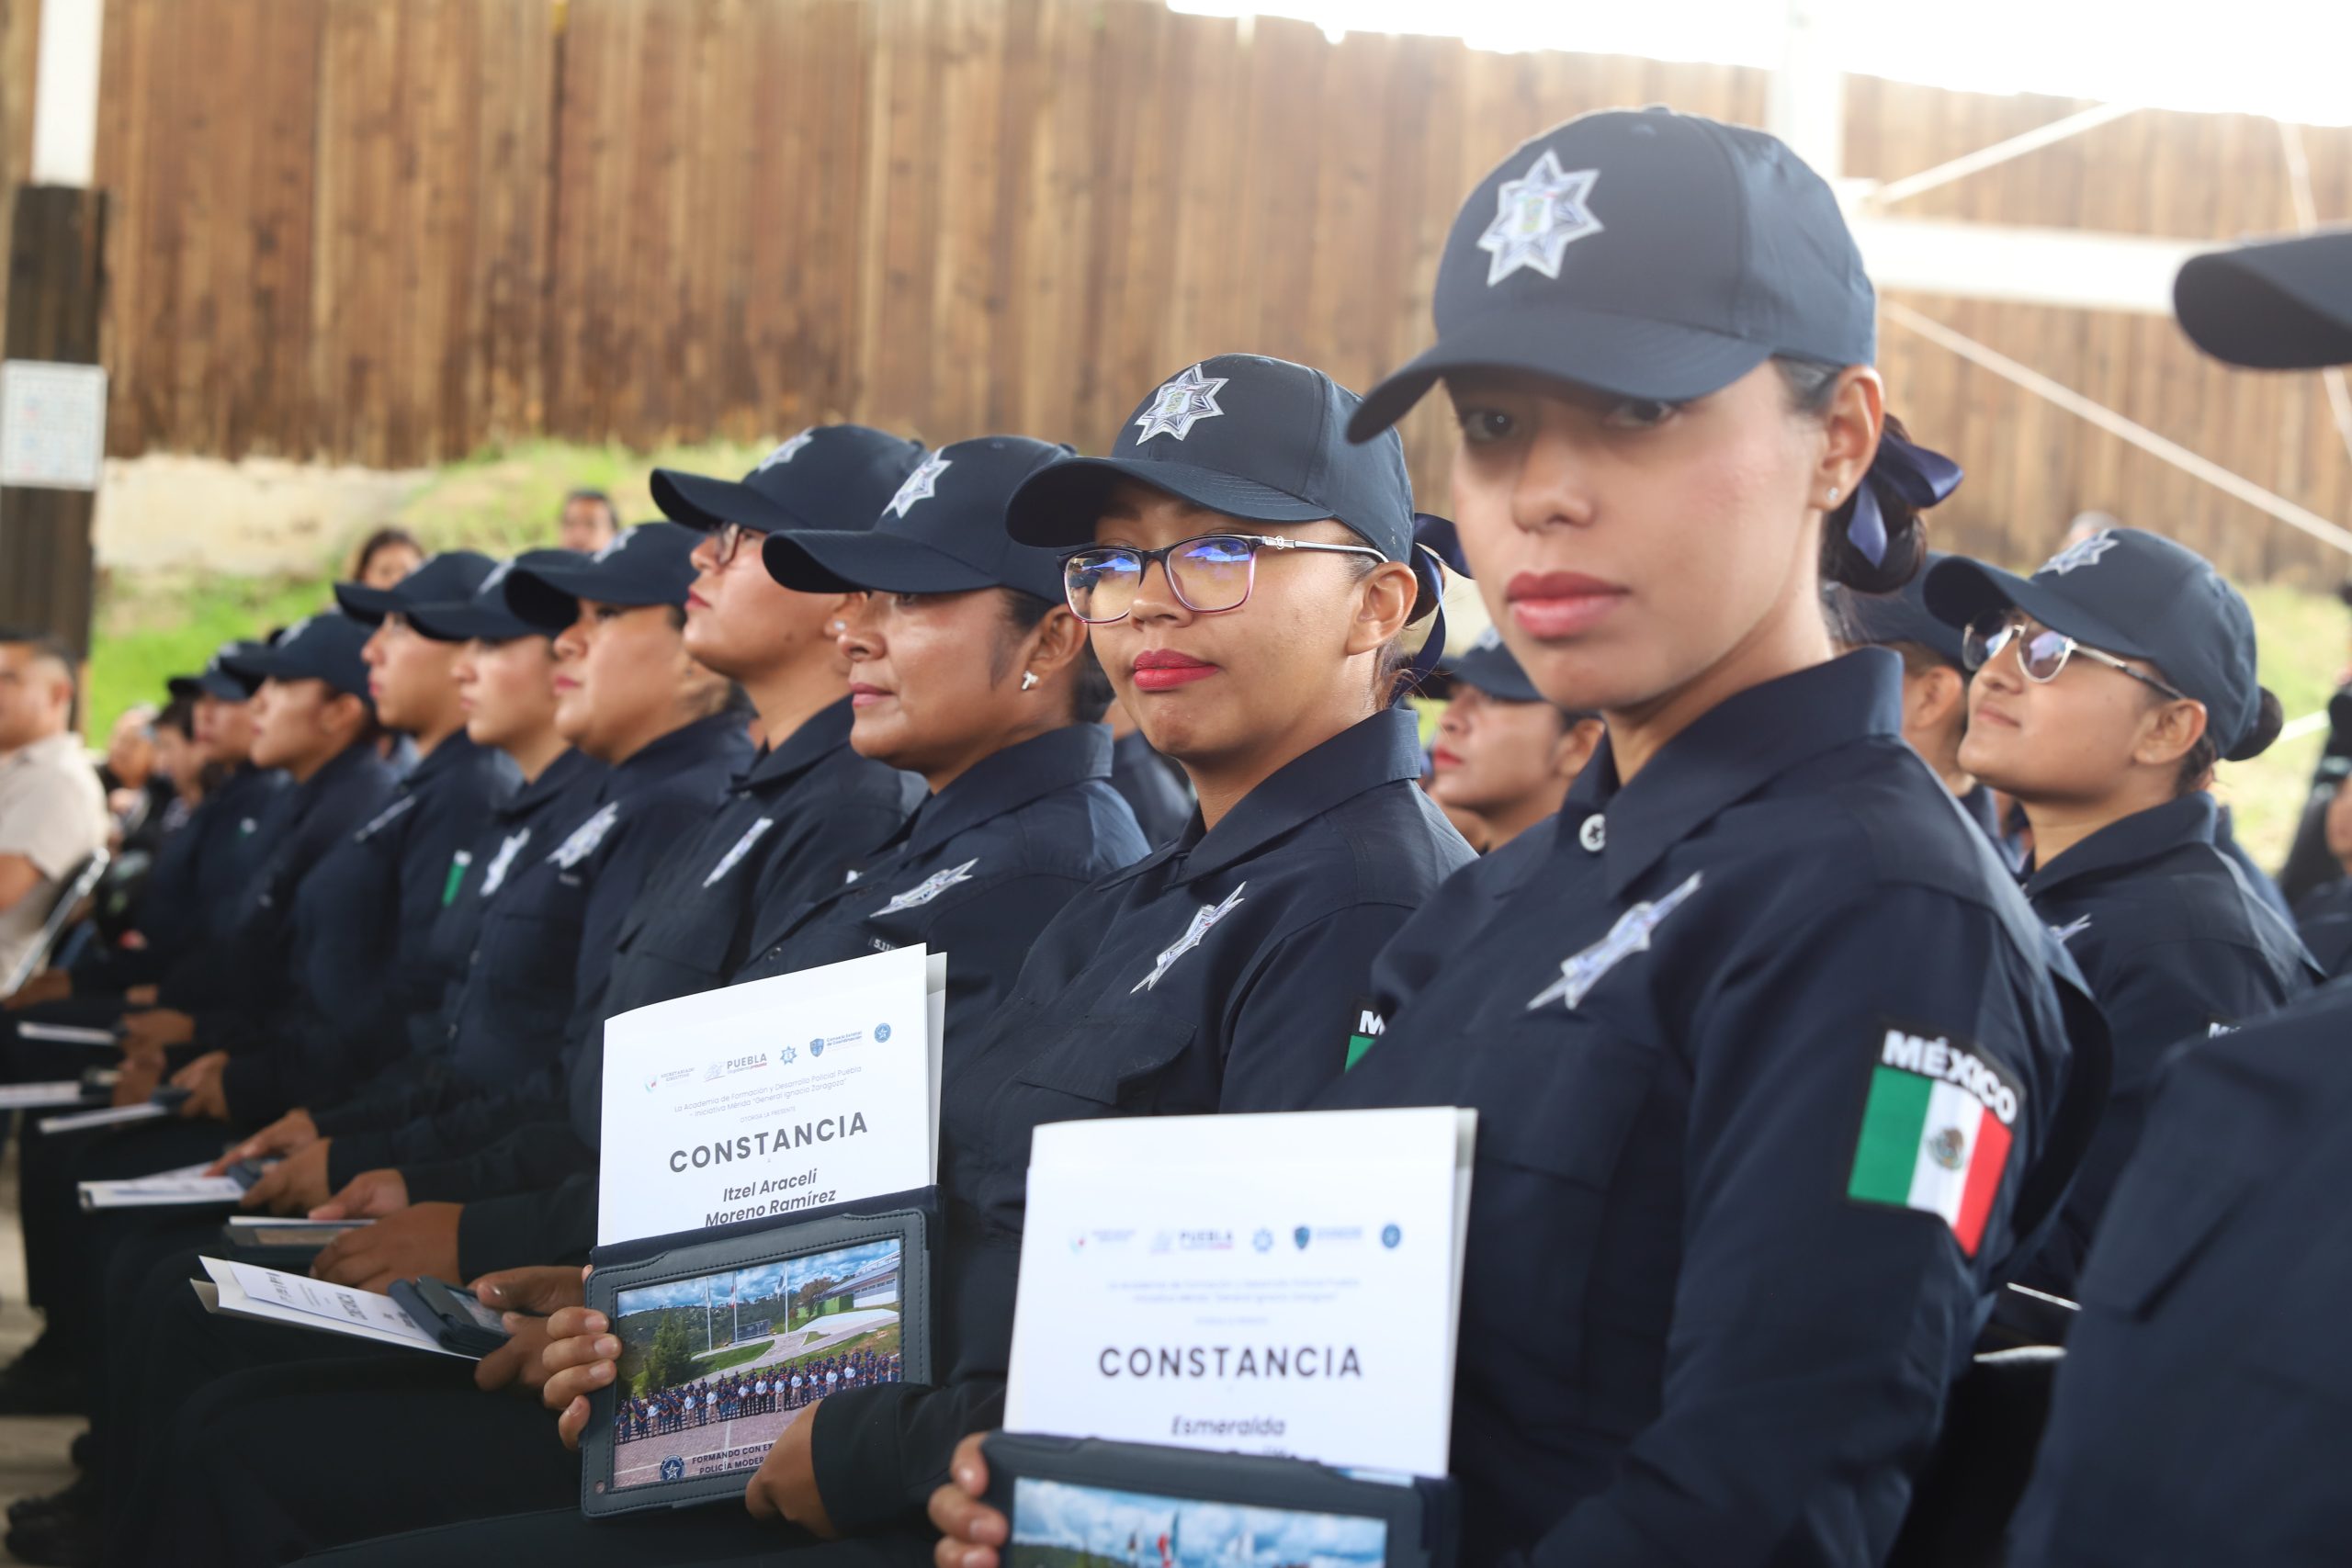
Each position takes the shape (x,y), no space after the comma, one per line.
(1227,1362)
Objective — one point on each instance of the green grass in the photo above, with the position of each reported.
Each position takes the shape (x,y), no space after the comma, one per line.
(153,628)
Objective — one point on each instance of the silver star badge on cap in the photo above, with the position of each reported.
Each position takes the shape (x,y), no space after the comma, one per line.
(785,451)
(1537,217)
(2081,552)
(921,485)
(1181,404)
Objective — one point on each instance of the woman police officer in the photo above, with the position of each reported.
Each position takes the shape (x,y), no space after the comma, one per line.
(1769,1054)
(2108,684)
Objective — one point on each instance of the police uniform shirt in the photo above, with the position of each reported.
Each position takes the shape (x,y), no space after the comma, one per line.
(1737,1033)
(360,926)
(2203,1412)
(2174,946)
(564,794)
(198,874)
(977,873)
(804,815)
(545,943)
(362,922)
(1225,973)
(243,963)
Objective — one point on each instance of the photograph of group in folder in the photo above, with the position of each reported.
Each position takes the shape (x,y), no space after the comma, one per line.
(1056,1524)
(714,1369)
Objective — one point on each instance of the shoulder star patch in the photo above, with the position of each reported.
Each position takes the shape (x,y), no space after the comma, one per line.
(2081,552)
(1537,217)
(1579,971)
(1181,404)
(1203,919)
(930,887)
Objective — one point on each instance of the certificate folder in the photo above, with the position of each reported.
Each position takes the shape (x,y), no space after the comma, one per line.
(1072,1501)
(728,1336)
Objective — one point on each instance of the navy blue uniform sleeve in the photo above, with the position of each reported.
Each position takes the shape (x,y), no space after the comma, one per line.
(1812,1335)
(879,1452)
(514,1230)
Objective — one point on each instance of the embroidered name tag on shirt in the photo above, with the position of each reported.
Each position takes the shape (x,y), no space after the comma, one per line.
(1580,972)
(734,857)
(587,836)
(930,887)
(1203,919)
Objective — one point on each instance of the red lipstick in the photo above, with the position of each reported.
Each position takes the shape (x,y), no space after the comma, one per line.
(1164,670)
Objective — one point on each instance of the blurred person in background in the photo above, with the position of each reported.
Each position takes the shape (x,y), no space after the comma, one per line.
(385,557)
(52,809)
(587,522)
(1503,756)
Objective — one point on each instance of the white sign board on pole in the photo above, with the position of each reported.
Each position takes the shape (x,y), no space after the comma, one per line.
(52,424)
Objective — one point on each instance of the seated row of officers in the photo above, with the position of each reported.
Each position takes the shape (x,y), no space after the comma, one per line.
(392,983)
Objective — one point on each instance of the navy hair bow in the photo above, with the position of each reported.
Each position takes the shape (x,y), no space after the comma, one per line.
(1903,471)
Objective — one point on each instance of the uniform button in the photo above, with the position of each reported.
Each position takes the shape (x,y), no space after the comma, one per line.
(1593,834)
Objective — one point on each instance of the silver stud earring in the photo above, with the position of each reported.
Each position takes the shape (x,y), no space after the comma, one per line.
(1028,679)
(1834,493)
(840,627)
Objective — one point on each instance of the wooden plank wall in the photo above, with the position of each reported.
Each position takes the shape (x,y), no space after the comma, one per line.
(391,231)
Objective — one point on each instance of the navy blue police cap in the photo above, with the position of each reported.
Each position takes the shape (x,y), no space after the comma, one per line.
(452,574)
(2274,305)
(1643,254)
(1488,665)
(2135,594)
(648,563)
(1878,619)
(829,475)
(943,532)
(217,680)
(1255,439)
(324,647)
(485,614)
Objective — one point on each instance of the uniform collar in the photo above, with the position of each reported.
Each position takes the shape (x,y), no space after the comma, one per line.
(1009,779)
(347,766)
(1728,753)
(689,745)
(1373,752)
(2142,836)
(553,780)
(820,735)
(457,750)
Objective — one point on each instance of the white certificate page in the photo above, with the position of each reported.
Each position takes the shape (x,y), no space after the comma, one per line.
(1258,1285)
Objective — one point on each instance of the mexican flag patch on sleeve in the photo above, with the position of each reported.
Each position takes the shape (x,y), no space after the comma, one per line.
(1936,1131)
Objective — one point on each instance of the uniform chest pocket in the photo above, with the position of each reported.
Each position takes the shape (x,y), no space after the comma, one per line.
(1563,1108)
(1105,1057)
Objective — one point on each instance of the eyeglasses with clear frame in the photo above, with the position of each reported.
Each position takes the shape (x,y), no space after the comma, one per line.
(1209,575)
(2042,653)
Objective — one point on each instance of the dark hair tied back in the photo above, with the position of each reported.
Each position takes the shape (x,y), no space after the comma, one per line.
(1811,385)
